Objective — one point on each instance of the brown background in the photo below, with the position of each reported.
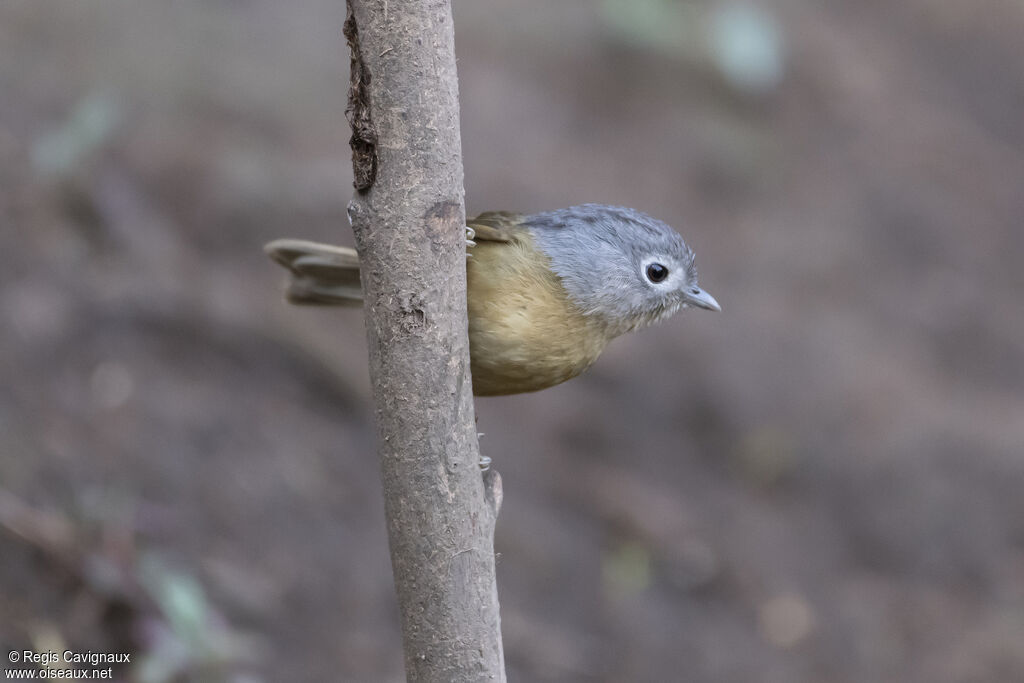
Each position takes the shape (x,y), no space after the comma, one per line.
(822,483)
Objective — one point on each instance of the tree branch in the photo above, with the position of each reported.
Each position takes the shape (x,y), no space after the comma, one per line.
(409,219)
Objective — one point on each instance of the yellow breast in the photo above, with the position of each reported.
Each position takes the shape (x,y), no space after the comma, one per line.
(524,333)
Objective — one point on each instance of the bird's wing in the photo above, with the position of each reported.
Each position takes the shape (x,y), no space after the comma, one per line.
(329,275)
(495,226)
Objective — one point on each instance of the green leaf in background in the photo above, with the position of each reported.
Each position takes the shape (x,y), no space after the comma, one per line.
(626,569)
(88,126)
(747,47)
(668,26)
(740,41)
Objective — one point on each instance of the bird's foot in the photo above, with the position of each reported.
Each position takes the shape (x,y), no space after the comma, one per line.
(485,463)
(470,234)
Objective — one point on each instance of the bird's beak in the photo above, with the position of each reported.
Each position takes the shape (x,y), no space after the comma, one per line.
(695,296)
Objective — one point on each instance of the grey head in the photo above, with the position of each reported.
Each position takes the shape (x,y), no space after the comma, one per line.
(619,264)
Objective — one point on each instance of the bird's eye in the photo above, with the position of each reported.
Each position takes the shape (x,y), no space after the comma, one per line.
(656,272)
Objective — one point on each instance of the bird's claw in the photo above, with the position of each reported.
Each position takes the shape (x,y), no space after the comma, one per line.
(485,463)
(470,234)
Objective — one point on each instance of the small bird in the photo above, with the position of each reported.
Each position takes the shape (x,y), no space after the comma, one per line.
(546,292)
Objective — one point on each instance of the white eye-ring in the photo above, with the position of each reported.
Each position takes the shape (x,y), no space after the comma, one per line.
(657,270)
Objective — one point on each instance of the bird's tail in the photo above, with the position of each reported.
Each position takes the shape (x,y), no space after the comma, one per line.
(320,273)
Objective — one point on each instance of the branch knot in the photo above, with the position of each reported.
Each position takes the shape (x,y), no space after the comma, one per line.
(364,136)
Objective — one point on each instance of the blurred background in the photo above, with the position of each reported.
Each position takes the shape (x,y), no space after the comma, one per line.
(822,483)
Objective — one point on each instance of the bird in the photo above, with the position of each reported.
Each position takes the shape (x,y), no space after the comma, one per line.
(546,292)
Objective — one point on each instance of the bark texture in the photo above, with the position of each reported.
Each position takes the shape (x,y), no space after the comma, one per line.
(408,216)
